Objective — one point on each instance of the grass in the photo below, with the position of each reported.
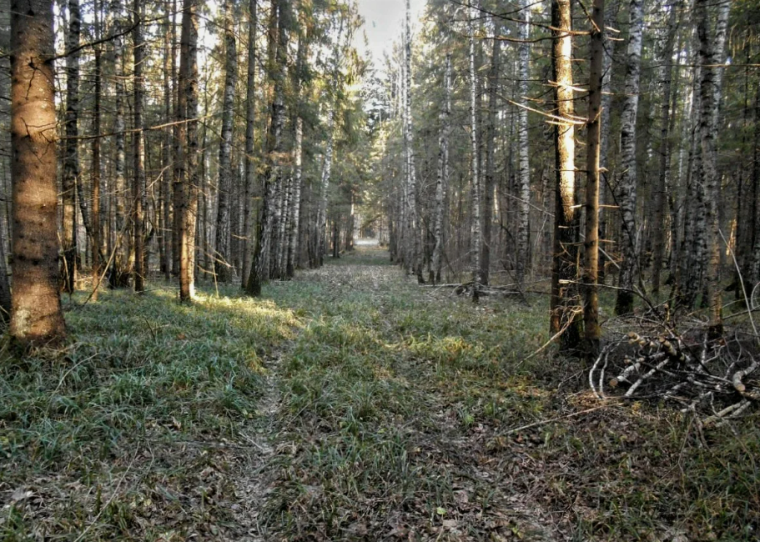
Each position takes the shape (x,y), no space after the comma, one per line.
(394,410)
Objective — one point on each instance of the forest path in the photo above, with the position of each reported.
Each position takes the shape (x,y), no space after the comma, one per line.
(391,401)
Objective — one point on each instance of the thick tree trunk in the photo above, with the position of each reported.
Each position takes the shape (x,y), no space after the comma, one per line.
(138,187)
(188,147)
(593,330)
(442,182)
(564,303)
(222,259)
(36,316)
(71,153)
(628,183)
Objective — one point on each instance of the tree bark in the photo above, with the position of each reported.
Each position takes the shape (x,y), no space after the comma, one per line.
(629,181)
(250,124)
(222,265)
(97,264)
(442,181)
(188,147)
(36,316)
(262,257)
(477,238)
(71,152)
(593,331)
(659,229)
(138,187)
(523,234)
(564,303)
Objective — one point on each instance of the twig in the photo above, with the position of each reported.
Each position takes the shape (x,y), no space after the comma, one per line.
(552,420)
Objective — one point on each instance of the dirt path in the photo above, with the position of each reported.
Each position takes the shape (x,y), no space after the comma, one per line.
(377,433)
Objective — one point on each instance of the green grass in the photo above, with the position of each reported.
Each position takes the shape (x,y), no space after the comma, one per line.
(394,407)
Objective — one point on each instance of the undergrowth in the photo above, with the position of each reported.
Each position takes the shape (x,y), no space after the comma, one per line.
(399,416)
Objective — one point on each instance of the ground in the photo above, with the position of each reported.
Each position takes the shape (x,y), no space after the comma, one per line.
(348,404)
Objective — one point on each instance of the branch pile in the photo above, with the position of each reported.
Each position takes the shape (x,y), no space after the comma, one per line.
(715,379)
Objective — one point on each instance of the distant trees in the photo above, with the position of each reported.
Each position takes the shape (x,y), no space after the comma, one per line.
(462,155)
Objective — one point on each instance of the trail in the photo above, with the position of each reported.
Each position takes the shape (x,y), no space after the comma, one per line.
(373,424)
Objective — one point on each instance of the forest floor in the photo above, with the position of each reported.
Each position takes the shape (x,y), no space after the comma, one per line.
(348,404)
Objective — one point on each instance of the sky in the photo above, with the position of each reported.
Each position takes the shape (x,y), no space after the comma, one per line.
(383,23)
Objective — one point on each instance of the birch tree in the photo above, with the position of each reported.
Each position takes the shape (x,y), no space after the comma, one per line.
(523,234)
(477,239)
(628,183)
(442,180)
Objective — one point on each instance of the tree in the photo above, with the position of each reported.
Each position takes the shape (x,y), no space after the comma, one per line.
(628,183)
(593,330)
(442,181)
(477,236)
(523,236)
(188,147)
(36,316)
(71,151)
(564,303)
(222,256)
(138,182)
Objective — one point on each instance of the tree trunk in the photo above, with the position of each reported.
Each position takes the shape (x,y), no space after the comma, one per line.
(593,330)
(97,264)
(222,254)
(523,234)
(564,303)
(659,229)
(477,239)
(167,233)
(71,154)
(412,221)
(36,316)
(188,147)
(628,183)
(262,257)
(138,187)
(250,124)
(710,55)
(442,182)
(490,167)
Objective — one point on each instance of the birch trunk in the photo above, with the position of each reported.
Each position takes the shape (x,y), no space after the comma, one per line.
(413,233)
(477,239)
(663,180)
(629,180)
(490,166)
(168,164)
(262,258)
(523,234)
(710,55)
(442,181)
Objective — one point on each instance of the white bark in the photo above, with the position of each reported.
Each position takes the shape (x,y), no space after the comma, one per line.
(628,184)
(523,234)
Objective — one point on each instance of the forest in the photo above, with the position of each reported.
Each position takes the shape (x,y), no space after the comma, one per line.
(498,282)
